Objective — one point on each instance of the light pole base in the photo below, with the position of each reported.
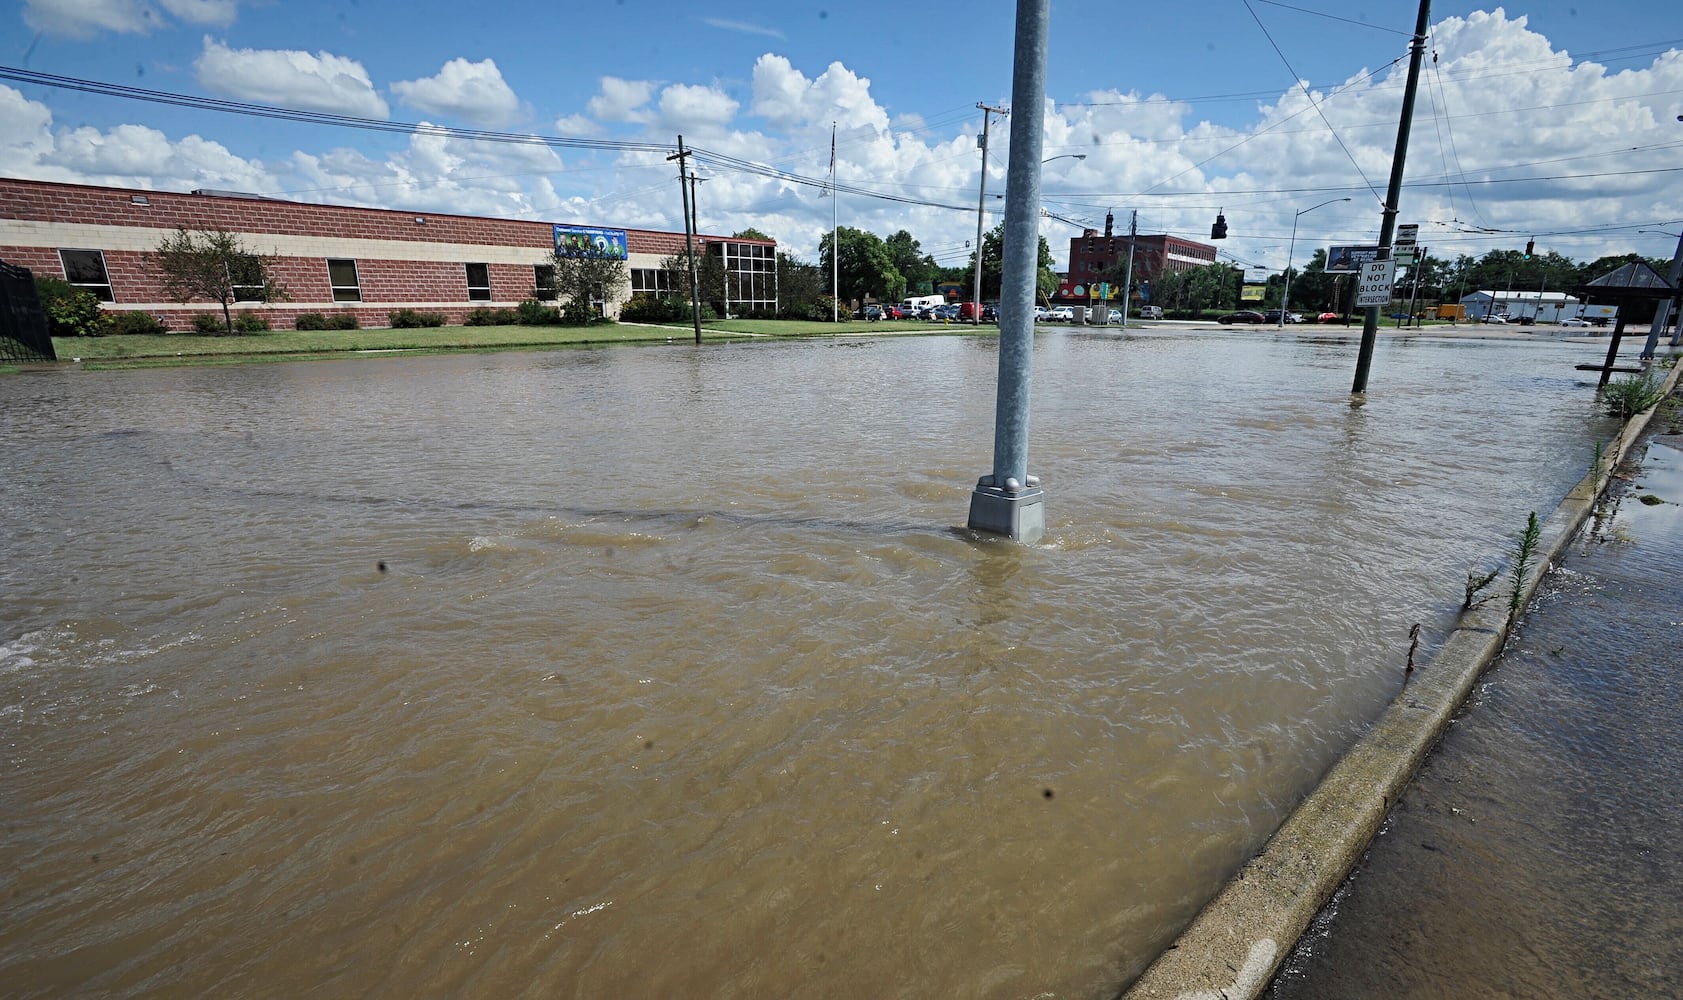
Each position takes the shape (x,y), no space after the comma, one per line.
(1019,516)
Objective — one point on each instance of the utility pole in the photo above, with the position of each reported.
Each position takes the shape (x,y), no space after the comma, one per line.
(981,211)
(1128,277)
(689,235)
(695,227)
(1393,194)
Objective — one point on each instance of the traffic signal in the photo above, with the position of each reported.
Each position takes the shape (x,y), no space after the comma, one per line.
(1530,245)
(1219,230)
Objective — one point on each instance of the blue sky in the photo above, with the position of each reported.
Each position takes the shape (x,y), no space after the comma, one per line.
(1555,121)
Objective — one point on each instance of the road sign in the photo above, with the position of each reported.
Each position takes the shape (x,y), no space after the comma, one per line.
(1374,286)
(1406,235)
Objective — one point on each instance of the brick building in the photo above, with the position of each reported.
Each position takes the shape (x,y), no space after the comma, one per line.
(1097,260)
(332,258)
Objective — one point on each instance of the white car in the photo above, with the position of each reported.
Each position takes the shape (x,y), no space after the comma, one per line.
(1041,312)
(1064,313)
(1151,312)
(1574,321)
(1115,316)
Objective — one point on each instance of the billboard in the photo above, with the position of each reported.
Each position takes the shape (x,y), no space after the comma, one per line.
(587,241)
(1349,260)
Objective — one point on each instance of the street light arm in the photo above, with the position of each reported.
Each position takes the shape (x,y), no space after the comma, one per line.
(1285,295)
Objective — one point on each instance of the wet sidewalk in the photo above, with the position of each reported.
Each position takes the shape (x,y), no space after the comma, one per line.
(1537,853)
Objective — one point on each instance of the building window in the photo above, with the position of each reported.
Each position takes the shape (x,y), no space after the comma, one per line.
(479,282)
(86,270)
(649,281)
(543,283)
(245,278)
(341,274)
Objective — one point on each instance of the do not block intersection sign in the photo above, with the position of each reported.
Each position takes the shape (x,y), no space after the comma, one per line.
(1374,285)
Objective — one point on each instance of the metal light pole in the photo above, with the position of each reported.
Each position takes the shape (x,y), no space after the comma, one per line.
(1285,299)
(1009,501)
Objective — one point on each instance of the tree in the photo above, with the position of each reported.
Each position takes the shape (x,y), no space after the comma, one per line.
(917,268)
(215,265)
(709,277)
(866,268)
(584,274)
(800,286)
(993,242)
(750,234)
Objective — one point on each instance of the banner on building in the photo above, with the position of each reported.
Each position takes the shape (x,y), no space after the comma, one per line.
(589,241)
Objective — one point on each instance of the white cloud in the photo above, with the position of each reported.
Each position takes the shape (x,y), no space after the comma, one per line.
(86,18)
(218,13)
(696,108)
(741,27)
(291,79)
(576,125)
(621,101)
(472,92)
(785,98)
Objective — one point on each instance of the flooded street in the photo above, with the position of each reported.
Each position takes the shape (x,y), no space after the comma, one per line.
(670,671)
(1536,854)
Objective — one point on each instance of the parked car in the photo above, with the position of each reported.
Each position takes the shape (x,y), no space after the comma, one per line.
(1151,312)
(1327,317)
(1496,318)
(1273,316)
(990,314)
(1242,316)
(1574,321)
(1041,313)
(891,311)
(1115,316)
(1061,314)
(945,314)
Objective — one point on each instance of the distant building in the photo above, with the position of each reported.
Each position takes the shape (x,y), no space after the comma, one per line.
(1098,262)
(333,258)
(1544,307)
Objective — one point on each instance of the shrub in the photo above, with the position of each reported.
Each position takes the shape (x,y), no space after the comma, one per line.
(251,323)
(492,317)
(409,319)
(343,321)
(310,321)
(208,324)
(534,313)
(645,308)
(132,323)
(70,311)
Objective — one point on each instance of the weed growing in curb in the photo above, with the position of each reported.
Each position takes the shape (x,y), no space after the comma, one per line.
(1629,396)
(1476,583)
(1524,553)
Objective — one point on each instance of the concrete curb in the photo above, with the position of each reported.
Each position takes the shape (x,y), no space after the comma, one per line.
(1232,949)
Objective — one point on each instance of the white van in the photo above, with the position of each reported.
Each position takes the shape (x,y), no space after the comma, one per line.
(1151,312)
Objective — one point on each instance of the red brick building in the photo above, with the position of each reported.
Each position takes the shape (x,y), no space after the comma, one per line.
(1097,260)
(331,258)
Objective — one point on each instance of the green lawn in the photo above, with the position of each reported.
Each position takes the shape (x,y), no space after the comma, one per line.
(292,345)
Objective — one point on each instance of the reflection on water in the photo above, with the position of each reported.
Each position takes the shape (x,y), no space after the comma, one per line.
(680,676)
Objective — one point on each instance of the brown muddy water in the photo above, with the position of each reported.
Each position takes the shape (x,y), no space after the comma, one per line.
(680,677)
(1536,854)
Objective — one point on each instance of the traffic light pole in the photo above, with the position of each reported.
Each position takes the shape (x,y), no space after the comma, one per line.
(1393,194)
